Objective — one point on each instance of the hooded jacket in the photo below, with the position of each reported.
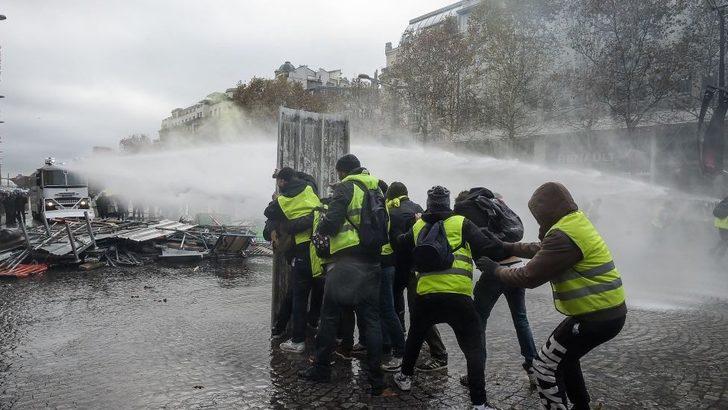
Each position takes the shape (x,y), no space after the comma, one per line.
(555,253)
(277,220)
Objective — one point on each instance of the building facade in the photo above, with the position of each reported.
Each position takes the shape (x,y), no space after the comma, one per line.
(189,121)
(311,80)
(460,11)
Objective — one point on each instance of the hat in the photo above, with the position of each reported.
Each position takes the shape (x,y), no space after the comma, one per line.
(396,190)
(285,173)
(348,163)
(438,199)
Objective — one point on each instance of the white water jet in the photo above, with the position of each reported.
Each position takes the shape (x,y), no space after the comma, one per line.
(661,267)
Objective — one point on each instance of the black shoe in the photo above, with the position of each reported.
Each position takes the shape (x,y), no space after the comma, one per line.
(432,365)
(314,375)
(464,380)
(343,353)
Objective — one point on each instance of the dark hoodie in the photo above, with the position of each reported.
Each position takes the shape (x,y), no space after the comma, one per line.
(277,219)
(555,253)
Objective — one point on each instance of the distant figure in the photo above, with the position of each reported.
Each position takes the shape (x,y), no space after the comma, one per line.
(102,206)
(721,223)
(138,211)
(20,202)
(122,208)
(9,205)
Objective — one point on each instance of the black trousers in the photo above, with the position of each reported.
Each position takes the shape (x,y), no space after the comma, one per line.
(351,283)
(557,365)
(459,313)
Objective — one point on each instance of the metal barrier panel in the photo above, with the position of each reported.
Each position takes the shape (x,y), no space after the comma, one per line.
(308,142)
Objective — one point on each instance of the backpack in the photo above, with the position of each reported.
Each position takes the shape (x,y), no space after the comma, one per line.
(721,210)
(433,252)
(373,227)
(502,221)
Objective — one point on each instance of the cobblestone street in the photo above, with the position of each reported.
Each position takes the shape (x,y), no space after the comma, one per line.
(199,337)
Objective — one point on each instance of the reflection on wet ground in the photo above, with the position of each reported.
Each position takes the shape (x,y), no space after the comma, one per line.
(198,337)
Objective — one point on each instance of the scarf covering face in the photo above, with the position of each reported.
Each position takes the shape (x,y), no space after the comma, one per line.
(395,203)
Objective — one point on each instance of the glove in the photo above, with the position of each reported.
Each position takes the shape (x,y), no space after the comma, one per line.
(487,266)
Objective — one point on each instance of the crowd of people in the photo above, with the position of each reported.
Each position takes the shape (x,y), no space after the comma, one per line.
(357,254)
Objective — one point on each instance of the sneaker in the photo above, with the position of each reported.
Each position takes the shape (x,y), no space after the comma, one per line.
(293,347)
(431,365)
(313,375)
(531,373)
(485,406)
(392,365)
(343,353)
(402,381)
(359,349)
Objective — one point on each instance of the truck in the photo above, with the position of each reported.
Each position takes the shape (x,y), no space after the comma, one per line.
(59,193)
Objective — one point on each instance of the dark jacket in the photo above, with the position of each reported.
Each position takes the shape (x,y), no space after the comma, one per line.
(401,219)
(556,253)
(481,243)
(277,219)
(721,210)
(335,216)
(504,224)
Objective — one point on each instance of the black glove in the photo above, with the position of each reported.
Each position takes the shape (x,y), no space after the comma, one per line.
(487,266)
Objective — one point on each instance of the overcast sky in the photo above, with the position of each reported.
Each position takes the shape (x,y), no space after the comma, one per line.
(80,73)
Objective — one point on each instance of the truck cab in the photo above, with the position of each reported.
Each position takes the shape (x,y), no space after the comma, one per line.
(59,193)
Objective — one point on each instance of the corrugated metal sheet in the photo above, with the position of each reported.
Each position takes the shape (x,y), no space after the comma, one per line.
(160,230)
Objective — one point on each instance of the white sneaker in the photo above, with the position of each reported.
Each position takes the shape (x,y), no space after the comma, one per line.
(293,347)
(392,365)
(485,406)
(402,381)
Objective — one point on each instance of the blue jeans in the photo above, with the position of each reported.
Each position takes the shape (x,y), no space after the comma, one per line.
(486,292)
(392,332)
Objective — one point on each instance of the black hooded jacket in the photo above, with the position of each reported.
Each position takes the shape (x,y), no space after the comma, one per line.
(277,219)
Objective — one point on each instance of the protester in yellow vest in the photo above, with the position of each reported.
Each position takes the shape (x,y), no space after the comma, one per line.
(721,223)
(445,296)
(293,211)
(352,276)
(586,284)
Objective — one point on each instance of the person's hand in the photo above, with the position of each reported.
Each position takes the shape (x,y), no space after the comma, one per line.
(487,266)
(274,240)
(418,216)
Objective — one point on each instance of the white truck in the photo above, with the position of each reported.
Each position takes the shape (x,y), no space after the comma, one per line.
(58,193)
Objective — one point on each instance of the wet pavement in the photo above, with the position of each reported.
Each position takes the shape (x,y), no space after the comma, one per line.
(199,338)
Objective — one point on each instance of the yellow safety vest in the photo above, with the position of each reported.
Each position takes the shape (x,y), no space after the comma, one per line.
(459,278)
(721,223)
(348,236)
(594,283)
(299,206)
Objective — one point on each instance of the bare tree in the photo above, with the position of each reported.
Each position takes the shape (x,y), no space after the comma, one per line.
(433,65)
(514,63)
(632,53)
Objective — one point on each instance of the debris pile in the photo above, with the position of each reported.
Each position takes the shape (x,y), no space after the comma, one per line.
(91,244)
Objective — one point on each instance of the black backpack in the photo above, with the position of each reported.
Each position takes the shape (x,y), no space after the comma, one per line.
(373,228)
(502,221)
(721,210)
(433,252)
